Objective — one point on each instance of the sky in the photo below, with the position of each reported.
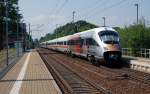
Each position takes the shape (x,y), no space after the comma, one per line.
(45,15)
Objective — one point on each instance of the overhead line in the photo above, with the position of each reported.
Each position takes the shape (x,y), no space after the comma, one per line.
(93,4)
(97,2)
(114,5)
(57,10)
(94,7)
(109,7)
(61,7)
(53,12)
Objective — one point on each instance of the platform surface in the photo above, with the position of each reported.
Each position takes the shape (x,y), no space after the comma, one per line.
(138,60)
(29,76)
(138,63)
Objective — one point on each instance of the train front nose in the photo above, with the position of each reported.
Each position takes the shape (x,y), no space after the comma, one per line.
(112,55)
(112,52)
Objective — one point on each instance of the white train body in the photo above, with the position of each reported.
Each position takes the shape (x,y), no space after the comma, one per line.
(101,43)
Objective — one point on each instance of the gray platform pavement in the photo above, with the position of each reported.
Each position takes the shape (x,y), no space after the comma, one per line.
(29,76)
(138,63)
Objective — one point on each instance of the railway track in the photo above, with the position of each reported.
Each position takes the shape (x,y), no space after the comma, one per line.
(105,78)
(116,73)
(133,75)
(72,82)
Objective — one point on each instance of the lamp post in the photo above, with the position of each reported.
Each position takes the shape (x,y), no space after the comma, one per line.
(22,35)
(22,29)
(137,5)
(73,13)
(104,21)
(31,30)
(6,32)
(17,36)
(29,36)
(56,32)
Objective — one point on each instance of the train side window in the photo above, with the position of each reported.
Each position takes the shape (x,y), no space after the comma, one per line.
(91,41)
(64,42)
(71,42)
(94,42)
(60,43)
(81,42)
(77,41)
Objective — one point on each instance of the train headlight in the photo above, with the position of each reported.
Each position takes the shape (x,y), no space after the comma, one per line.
(105,48)
(113,56)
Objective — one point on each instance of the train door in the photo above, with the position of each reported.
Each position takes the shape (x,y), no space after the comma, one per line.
(92,46)
(75,45)
(84,47)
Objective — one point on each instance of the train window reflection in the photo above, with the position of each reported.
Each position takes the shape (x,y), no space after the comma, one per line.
(109,37)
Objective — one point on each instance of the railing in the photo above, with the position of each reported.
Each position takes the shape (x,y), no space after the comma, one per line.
(142,52)
(127,51)
(145,53)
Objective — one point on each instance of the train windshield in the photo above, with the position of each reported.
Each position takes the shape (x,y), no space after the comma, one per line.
(109,37)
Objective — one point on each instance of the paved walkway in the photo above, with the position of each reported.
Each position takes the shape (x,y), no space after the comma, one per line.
(29,76)
(138,63)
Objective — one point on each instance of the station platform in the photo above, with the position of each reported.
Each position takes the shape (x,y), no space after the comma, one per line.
(29,76)
(138,63)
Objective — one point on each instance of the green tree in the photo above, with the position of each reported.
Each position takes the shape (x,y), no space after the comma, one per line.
(68,29)
(135,36)
(13,16)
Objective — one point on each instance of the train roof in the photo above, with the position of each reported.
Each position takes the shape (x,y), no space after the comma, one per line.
(43,42)
(87,33)
(99,29)
(65,38)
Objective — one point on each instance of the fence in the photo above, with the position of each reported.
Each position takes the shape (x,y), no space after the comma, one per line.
(11,54)
(142,52)
(3,52)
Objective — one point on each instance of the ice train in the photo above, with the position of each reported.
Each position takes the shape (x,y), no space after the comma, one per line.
(98,45)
